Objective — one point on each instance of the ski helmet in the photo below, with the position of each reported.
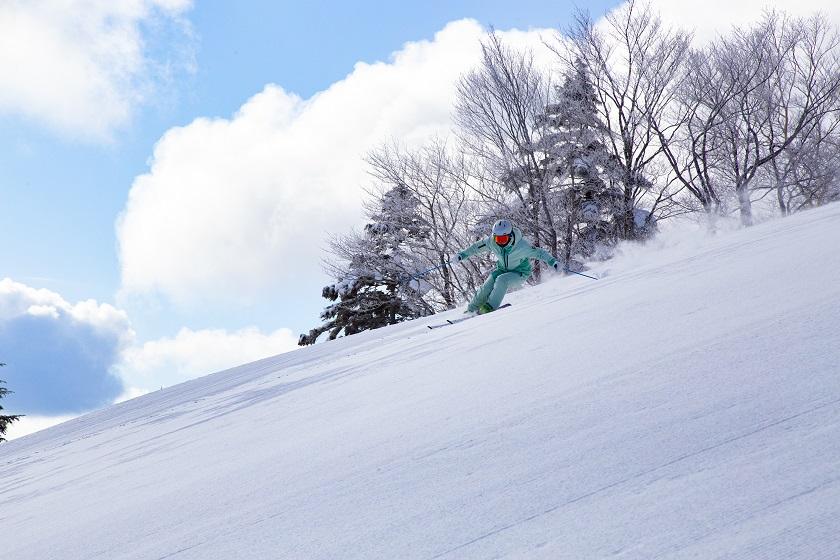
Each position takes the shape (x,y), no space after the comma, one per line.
(502,232)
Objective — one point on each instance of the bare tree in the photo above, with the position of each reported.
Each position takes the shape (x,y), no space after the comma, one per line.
(497,110)
(635,61)
(790,81)
(689,128)
(807,172)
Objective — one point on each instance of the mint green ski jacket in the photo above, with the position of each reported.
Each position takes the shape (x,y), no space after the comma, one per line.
(513,257)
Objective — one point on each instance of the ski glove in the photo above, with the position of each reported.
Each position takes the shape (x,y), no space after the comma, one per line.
(558,267)
(456,259)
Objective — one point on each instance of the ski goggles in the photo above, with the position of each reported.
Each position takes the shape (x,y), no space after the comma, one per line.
(501,239)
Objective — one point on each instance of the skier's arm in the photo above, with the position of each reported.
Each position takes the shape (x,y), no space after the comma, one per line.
(543,255)
(481,246)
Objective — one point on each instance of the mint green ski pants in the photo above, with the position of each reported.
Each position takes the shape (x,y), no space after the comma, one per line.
(495,288)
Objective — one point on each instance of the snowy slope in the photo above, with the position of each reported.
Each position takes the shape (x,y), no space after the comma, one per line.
(687,405)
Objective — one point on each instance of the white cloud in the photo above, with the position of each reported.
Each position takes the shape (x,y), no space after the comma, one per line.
(18,300)
(79,66)
(191,354)
(712,17)
(236,209)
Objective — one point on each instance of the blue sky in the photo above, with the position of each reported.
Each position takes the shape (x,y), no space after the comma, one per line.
(229,137)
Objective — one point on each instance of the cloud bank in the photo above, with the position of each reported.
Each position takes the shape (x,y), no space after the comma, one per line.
(59,355)
(80,67)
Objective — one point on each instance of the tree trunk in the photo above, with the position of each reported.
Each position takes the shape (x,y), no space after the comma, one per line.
(535,217)
(628,221)
(780,195)
(744,204)
(571,215)
(448,289)
(567,252)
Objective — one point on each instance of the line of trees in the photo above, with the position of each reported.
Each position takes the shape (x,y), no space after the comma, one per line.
(639,126)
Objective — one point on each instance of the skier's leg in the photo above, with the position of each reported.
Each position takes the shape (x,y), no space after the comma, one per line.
(483,293)
(504,282)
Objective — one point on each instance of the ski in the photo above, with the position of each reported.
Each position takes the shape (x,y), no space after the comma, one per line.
(451,322)
(462,319)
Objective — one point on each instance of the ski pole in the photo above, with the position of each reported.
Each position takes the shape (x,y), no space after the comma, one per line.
(579,273)
(423,273)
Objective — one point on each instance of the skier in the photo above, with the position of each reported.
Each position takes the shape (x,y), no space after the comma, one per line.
(513,253)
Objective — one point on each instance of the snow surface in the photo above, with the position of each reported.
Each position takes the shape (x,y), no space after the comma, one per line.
(687,405)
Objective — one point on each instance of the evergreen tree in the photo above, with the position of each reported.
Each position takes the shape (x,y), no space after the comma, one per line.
(5,420)
(587,201)
(375,286)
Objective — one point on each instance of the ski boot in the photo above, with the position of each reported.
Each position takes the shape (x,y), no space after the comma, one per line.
(485,308)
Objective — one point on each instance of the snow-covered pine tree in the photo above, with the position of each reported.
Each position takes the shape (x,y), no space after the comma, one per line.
(586,200)
(375,286)
(5,420)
